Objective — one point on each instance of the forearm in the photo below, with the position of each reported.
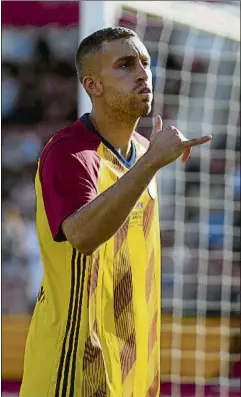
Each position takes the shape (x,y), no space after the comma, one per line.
(99,220)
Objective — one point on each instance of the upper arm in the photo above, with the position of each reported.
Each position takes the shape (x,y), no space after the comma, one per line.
(69,181)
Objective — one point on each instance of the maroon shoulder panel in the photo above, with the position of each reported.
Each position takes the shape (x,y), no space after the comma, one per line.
(68,171)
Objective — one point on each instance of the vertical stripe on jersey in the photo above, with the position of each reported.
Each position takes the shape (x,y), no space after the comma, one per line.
(123,303)
(151,301)
(72,326)
(72,379)
(72,331)
(61,363)
(93,370)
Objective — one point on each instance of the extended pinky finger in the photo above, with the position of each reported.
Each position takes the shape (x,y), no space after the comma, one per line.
(197,141)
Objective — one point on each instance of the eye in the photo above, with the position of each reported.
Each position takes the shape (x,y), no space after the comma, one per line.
(125,65)
(146,63)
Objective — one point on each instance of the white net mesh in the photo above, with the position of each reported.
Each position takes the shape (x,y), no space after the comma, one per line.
(197,88)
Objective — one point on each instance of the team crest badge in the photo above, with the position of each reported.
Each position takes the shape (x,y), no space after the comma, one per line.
(152,189)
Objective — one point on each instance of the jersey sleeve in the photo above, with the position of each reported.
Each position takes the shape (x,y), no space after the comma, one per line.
(68,181)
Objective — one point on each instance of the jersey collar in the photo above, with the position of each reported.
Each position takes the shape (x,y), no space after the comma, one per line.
(89,125)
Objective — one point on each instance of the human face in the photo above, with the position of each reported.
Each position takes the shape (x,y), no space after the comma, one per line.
(126,77)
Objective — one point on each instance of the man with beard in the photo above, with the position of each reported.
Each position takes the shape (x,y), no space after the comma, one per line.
(95,331)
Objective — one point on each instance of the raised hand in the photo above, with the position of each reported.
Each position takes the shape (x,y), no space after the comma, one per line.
(168,144)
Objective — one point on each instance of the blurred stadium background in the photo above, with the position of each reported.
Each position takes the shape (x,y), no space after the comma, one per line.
(195,49)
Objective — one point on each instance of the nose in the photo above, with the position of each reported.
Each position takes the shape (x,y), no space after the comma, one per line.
(142,73)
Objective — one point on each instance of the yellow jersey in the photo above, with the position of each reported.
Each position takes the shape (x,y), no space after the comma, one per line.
(95,330)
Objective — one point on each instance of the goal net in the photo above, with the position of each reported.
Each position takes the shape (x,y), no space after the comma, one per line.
(195,62)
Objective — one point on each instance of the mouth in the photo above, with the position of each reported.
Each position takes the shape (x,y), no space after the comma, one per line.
(145,91)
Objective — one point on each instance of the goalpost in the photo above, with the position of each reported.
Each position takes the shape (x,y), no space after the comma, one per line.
(94,15)
(195,49)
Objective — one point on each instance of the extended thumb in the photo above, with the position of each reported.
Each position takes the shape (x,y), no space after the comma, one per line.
(158,123)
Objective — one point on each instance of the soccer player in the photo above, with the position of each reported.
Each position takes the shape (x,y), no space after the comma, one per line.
(95,331)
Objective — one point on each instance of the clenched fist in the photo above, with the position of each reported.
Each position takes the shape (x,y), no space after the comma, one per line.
(167,144)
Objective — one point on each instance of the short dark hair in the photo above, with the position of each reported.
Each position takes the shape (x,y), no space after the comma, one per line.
(93,42)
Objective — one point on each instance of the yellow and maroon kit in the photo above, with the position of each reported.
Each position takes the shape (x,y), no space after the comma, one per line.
(95,331)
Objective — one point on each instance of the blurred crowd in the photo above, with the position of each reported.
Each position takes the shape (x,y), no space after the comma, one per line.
(39,96)
(38,76)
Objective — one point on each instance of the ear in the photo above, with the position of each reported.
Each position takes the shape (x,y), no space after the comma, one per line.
(92,85)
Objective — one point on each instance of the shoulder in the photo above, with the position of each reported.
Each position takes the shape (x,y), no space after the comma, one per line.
(142,141)
(74,140)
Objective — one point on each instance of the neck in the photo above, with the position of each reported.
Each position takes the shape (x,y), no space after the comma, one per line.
(115,129)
